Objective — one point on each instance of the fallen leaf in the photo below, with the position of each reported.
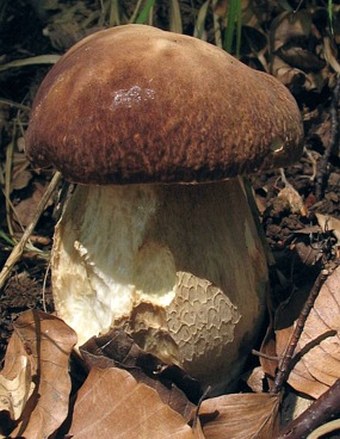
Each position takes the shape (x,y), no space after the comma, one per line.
(256,379)
(173,385)
(288,27)
(319,345)
(26,209)
(111,404)
(293,199)
(301,58)
(241,416)
(327,223)
(296,79)
(21,176)
(16,384)
(43,394)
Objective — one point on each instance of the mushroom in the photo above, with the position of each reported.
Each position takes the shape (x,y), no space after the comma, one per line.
(158,237)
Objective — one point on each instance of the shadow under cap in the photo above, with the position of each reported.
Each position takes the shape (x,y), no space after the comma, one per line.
(135,104)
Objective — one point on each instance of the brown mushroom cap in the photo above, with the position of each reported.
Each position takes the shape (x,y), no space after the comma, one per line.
(136,104)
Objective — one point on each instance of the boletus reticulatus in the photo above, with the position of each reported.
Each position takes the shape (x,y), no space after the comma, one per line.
(158,237)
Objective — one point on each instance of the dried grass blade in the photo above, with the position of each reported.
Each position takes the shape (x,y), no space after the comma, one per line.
(40,59)
(200,21)
(175,17)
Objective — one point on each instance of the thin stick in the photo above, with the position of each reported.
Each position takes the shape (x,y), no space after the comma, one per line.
(325,408)
(286,362)
(19,248)
(44,286)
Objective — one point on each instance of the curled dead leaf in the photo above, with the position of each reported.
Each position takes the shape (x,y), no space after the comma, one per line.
(296,79)
(16,384)
(37,361)
(329,223)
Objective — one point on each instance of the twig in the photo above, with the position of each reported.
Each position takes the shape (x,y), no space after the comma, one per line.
(44,286)
(321,411)
(329,427)
(322,171)
(263,355)
(19,248)
(286,362)
(284,178)
(309,154)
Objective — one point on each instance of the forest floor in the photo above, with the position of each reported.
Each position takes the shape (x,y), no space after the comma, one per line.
(299,206)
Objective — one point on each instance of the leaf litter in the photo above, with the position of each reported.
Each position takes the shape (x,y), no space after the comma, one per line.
(37,359)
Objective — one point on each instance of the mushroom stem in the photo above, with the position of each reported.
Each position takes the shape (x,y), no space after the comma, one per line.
(180,267)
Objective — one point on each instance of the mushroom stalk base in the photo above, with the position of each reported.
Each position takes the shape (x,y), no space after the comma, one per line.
(180,267)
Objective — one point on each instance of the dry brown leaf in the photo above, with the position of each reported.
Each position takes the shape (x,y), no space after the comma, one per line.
(256,379)
(173,385)
(21,179)
(26,209)
(16,384)
(21,176)
(289,26)
(319,367)
(46,342)
(296,79)
(293,200)
(241,416)
(301,59)
(111,404)
(328,222)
